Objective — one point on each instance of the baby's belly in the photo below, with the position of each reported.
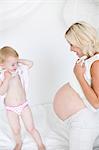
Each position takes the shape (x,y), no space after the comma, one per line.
(15,96)
(67,102)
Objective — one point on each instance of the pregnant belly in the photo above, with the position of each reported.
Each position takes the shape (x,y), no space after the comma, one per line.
(67,102)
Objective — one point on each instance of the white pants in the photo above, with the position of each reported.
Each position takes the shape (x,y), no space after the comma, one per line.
(80,130)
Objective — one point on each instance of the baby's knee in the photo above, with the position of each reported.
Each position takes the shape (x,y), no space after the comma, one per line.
(16,131)
(31,129)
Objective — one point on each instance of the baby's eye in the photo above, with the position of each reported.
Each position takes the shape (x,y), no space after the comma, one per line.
(12,64)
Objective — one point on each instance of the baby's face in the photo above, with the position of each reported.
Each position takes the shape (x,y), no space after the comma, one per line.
(11,64)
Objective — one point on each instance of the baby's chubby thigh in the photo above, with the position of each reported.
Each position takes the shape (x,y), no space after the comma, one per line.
(27,118)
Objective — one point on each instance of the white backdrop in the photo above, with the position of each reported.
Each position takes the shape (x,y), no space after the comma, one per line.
(35,28)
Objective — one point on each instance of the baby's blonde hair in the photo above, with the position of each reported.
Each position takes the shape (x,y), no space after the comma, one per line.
(83,35)
(7,51)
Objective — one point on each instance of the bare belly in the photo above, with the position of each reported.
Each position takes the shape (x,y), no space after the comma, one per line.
(67,102)
(15,98)
(16,93)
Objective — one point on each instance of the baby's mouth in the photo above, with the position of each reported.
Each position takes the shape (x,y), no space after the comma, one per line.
(13,70)
(14,73)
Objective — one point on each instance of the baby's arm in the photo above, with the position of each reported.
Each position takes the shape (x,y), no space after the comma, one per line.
(4,83)
(26,62)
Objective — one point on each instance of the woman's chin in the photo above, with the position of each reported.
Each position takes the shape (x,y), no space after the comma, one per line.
(78,55)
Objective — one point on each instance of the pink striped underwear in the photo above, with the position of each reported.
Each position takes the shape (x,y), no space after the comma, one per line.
(17,109)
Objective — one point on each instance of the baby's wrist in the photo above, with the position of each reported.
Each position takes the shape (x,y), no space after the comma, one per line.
(20,60)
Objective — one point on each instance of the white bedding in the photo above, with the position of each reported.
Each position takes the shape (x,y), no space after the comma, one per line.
(42,115)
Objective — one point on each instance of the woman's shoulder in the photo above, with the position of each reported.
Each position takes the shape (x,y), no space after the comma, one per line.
(95,64)
(92,63)
(95,67)
(91,60)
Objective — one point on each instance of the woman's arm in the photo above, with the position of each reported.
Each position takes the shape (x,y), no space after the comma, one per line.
(26,62)
(91,92)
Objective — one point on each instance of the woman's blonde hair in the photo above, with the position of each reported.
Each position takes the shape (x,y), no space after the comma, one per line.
(83,35)
(7,51)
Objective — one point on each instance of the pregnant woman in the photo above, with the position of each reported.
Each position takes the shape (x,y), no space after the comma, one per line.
(77,102)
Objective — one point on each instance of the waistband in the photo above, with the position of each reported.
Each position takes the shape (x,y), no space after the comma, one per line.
(24,103)
(83,114)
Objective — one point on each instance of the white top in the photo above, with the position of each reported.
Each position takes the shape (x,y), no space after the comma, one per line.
(76,85)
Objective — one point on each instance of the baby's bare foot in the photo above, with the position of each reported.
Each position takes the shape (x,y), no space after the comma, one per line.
(18,146)
(41,147)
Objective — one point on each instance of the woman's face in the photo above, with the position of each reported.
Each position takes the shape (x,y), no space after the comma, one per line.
(77,50)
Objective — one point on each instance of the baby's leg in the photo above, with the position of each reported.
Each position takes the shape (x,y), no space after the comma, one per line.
(28,122)
(13,120)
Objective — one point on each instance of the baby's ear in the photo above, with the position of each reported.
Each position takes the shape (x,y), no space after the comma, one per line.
(2,65)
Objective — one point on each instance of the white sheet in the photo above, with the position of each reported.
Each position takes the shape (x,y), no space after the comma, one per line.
(42,115)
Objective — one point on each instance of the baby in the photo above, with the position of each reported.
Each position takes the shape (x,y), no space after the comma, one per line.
(13,85)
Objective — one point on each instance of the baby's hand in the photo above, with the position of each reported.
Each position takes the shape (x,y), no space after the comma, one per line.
(7,75)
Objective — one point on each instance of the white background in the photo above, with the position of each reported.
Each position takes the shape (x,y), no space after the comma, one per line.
(36,30)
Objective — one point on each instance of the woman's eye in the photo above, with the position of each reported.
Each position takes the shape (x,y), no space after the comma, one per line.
(71,45)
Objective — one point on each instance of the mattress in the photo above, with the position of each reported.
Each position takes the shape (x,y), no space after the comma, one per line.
(43,119)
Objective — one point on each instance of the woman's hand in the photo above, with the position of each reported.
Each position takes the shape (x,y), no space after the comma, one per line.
(79,69)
